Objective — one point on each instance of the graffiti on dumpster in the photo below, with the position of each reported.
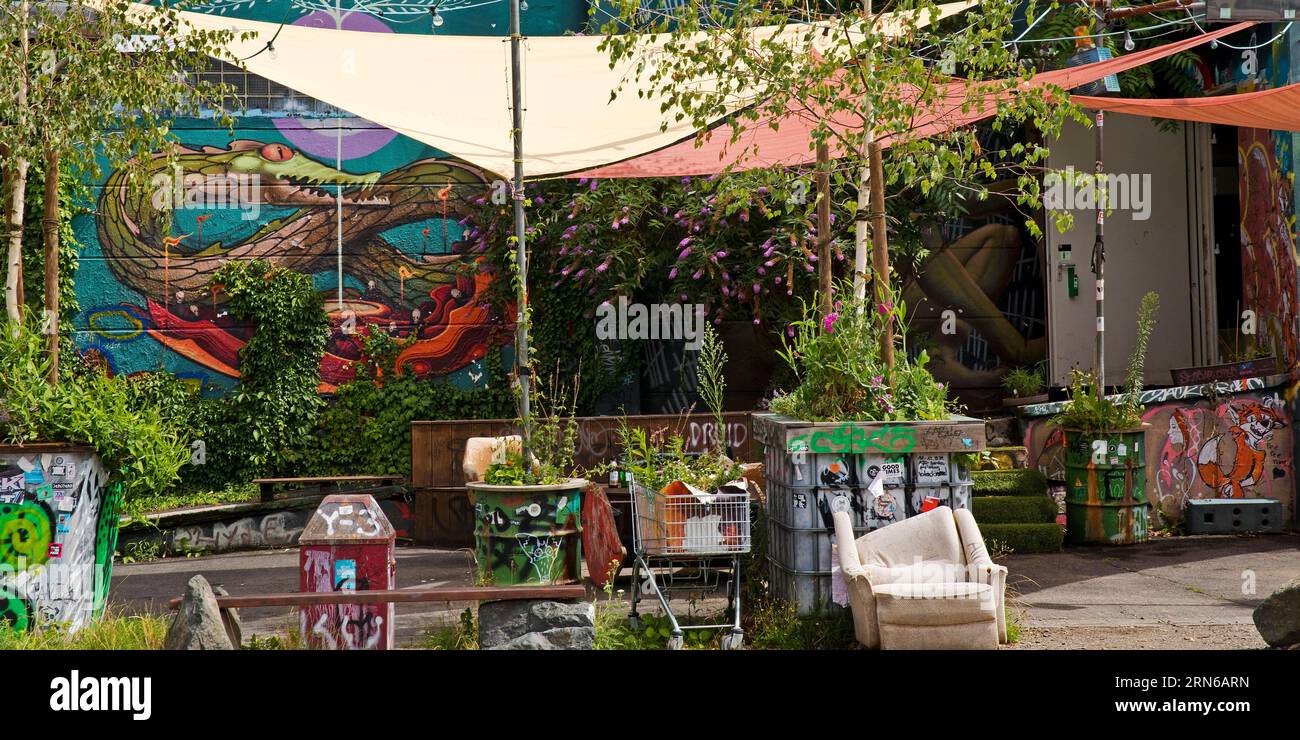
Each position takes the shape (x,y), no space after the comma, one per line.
(58,532)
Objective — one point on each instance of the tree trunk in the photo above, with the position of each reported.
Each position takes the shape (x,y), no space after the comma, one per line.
(824,227)
(16,205)
(50,231)
(880,254)
(17,182)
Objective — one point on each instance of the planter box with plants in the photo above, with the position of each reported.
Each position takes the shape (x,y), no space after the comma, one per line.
(1105,460)
(854,435)
(528,518)
(72,453)
(1025,385)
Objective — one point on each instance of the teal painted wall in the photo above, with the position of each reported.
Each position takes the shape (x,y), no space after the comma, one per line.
(266,192)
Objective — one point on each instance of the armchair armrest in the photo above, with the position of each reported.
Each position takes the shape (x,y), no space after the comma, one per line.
(981,568)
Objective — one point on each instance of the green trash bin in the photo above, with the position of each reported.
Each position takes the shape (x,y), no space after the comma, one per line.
(1105,502)
(528,535)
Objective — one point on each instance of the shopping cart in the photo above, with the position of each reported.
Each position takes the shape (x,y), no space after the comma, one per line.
(677,528)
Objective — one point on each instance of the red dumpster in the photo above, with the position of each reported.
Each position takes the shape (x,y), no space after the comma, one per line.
(347,546)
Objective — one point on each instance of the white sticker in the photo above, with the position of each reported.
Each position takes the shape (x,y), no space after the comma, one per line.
(1101,289)
(1122,450)
(1101,323)
(345,508)
(891,469)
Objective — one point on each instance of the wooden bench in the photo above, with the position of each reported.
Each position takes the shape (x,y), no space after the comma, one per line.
(399,596)
(335,483)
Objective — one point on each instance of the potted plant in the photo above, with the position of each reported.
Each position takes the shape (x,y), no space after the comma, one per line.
(854,431)
(70,453)
(1105,455)
(1025,384)
(528,516)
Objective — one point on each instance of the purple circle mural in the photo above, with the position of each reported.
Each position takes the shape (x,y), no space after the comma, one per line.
(319,137)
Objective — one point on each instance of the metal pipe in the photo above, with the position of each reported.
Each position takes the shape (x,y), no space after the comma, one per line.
(523,365)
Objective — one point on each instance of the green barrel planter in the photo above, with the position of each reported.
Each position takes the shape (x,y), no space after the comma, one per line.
(528,535)
(1105,500)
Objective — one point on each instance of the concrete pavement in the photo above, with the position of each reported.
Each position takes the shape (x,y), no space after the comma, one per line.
(1108,592)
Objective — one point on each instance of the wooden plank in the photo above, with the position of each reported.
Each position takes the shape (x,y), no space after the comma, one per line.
(328,479)
(400,596)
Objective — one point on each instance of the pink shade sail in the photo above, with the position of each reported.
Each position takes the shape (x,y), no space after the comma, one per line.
(787,140)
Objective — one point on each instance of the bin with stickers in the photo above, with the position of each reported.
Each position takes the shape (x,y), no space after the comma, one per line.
(58,530)
(878,472)
(348,545)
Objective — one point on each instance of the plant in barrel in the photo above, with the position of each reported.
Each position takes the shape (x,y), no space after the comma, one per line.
(1105,457)
(528,527)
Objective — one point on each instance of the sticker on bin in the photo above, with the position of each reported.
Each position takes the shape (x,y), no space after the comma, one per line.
(345,575)
(931,469)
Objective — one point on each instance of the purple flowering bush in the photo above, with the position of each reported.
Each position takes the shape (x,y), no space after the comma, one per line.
(840,375)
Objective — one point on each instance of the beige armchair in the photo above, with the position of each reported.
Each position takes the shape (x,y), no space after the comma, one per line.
(926,582)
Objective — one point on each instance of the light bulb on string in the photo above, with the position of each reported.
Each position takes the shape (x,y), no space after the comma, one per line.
(438,20)
(1129,44)
(270,50)
(523,6)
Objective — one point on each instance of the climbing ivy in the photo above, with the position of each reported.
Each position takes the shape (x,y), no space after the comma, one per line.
(366,427)
(263,427)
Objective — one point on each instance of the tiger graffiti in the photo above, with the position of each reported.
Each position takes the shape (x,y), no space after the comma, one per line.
(381,233)
(1233,462)
(1239,446)
(57,538)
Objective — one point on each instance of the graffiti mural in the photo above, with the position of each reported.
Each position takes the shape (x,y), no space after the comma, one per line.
(58,531)
(1237,446)
(371,215)
(988,272)
(375,222)
(1268,260)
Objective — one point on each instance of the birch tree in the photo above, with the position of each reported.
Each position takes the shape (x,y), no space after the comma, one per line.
(90,84)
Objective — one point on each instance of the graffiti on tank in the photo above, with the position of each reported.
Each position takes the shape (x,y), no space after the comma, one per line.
(159,261)
(526,534)
(851,437)
(1268,262)
(58,532)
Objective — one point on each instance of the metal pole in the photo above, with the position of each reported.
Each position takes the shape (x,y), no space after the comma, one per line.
(1099,260)
(522,364)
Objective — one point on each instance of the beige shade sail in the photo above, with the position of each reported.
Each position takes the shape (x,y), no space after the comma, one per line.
(453,92)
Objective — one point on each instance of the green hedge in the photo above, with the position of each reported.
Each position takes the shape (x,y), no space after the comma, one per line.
(1009,482)
(1022,538)
(1013,509)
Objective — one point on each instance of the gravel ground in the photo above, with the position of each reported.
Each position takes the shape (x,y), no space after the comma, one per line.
(1147,637)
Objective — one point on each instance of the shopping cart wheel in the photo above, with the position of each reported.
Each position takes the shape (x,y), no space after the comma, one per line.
(733,640)
(675,642)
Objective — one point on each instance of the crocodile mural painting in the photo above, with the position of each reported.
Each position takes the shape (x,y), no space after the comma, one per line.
(284,193)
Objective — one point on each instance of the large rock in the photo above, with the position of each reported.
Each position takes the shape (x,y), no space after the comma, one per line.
(198,624)
(536,625)
(1278,617)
